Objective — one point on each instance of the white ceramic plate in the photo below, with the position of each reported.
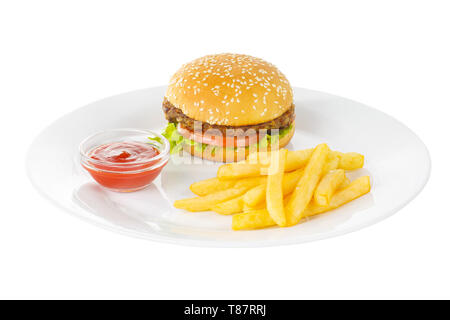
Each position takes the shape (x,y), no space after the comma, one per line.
(397,161)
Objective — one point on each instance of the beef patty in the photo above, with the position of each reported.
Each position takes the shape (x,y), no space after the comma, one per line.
(174,114)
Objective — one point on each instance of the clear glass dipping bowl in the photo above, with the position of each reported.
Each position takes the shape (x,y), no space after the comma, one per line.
(125,177)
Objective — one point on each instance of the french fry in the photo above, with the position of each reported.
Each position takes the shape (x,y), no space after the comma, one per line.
(304,190)
(344,183)
(257,194)
(294,160)
(279,187)
(261,157)
(332,163)
(350,160)
(327,186)
(298,159)
(250,182)
(259,206)
(274,192)
(258,219)
(290,180)
(228,207)
(204,187)
(238,170)
(355,189)
(205,203)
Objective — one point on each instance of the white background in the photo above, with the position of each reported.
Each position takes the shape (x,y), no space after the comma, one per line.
(59,55)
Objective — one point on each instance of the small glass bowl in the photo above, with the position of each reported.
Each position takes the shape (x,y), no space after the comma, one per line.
(125,177)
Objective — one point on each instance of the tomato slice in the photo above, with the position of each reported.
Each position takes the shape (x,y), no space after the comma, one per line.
(218,140)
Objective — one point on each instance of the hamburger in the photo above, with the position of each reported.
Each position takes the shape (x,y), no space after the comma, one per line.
(221,107)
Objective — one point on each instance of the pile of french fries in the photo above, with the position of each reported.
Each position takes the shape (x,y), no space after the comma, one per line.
(280,187)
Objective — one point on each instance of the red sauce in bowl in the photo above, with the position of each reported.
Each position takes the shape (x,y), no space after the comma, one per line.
(124,166)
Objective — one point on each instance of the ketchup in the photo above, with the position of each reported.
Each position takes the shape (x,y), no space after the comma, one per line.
(124,152)
(124,166)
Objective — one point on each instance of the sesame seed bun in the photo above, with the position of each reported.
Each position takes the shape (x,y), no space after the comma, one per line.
(230,90)
(236,154)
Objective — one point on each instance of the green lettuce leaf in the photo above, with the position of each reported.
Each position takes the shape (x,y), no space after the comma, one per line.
(177,141)
(157,139)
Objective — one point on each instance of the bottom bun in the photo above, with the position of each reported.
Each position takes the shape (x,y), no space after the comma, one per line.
(235,154)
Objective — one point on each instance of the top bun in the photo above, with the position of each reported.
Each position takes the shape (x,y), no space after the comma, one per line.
(230,89)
